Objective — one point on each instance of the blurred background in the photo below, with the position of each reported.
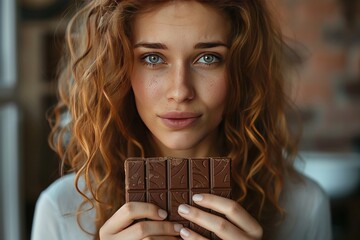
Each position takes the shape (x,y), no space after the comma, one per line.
(325,33)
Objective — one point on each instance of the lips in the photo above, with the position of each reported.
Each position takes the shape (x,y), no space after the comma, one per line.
(179,120)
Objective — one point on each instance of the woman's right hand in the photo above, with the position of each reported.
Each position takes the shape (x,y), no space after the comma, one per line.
(119,225)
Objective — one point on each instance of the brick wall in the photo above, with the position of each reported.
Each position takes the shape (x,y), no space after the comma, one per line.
(327,84)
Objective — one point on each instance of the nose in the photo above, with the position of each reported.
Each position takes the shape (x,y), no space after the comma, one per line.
(180,84)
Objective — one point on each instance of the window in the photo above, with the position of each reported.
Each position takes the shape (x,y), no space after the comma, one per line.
(7,44)
(10,208)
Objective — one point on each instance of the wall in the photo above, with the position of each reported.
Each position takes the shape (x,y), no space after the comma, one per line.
(327,86)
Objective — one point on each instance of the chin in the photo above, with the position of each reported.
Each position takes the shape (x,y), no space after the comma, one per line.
(183,145)
(178,147)
(181,148)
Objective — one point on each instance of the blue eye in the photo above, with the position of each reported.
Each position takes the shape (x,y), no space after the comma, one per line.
(153,59)
(209,59)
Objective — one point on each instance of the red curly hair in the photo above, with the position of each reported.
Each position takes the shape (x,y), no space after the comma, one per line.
(105,128)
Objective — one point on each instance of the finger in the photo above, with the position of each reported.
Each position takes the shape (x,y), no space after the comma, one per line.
(161,238)
(232,210)
(129,212)
(149,230)
(186,233)
(220,226)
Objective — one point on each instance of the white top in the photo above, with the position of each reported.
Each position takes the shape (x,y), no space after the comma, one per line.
(306,204)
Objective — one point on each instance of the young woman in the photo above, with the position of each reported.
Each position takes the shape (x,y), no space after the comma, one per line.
(181,79)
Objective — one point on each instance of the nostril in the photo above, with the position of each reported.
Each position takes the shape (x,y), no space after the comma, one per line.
(182,94)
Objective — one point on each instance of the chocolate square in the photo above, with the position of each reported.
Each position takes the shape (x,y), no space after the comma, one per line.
(169,182)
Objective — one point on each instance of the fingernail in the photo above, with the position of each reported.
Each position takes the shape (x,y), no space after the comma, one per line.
(178,227)
(183,209)
(162,213)
(197,197)
(184,232)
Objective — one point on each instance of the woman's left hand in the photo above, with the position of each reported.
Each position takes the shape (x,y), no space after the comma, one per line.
(238,224)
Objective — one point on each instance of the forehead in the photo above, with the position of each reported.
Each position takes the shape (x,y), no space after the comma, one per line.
(177,17)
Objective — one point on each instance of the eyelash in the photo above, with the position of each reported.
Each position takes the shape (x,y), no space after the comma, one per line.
(148,63)
(217,59)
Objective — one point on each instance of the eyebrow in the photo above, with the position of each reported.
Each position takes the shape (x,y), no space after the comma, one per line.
(200,45)
(151,45)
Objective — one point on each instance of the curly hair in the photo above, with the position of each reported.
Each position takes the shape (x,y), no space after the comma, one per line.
(104,127)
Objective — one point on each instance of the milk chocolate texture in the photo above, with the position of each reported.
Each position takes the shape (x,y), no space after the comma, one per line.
(168,182)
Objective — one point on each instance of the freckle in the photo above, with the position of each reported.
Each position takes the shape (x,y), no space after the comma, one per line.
(152,85)
(211,84)
(152,82)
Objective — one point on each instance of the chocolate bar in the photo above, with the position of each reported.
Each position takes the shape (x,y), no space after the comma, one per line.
(169,182)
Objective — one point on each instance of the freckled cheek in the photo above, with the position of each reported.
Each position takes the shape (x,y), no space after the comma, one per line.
(216,92)
(146,88)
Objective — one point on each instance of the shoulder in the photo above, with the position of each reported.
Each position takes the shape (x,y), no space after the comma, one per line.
(307,210)
(63,194)
(56,212)
(303,190)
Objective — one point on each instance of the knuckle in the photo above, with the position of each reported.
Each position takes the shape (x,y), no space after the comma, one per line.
(104,229)
(141,228)
(233,208)
(101,232)
(127,209)
(222,225)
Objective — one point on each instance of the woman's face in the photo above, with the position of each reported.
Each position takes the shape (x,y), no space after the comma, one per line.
(179,78)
